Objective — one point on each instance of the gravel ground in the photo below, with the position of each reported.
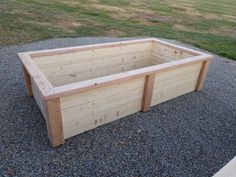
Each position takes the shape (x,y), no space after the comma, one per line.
(192,135)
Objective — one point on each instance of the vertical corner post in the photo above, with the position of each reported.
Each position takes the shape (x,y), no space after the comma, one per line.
(202,75)
(27,81)
(148,90)
(54,122)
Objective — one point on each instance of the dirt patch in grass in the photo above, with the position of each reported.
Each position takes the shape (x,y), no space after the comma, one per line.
(2,8)
(70,2)
(230,18)
(224,29)
(125,15)
(186,9)
(62,22)
(108,8)
(212,16)
(38,23)
(115,33)
(180,27)
(93,1)
(67,26)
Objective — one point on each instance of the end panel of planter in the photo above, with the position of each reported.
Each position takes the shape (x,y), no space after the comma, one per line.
(87,110)
(175,82)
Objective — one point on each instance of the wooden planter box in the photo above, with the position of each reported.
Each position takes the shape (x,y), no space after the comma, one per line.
(80,88)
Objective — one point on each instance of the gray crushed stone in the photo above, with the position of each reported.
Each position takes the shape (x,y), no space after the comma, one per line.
(190,136)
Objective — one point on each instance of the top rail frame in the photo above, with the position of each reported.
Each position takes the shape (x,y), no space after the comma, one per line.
(49,92)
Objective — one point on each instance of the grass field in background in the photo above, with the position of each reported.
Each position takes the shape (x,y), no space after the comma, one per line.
(208,24)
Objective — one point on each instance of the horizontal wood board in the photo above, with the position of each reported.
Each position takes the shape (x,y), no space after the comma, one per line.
(176,82)
(88,110)
(78,66)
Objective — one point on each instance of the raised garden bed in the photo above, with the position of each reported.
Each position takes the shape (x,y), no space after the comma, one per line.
(80,88)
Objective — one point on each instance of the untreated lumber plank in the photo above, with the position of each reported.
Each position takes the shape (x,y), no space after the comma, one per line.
(59,51)
(87,110)
(173,83)
(35,73)
(202,75)
(148,90)
(83,86)
(27,81)
(38,96)
(51,52)
(177,47)
(54,122)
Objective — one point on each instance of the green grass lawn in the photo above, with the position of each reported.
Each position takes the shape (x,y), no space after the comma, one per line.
(208,24)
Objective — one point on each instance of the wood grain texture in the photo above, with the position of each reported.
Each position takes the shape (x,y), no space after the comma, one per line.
(174,54)
(177,47)
(36,74)
(84,111)
(174,83)
(90,55)
(147,94)
(202,75)
(59,51)
(39,98)
(91,70)
(84,86)
(27,81)
(74,67)
(54,122)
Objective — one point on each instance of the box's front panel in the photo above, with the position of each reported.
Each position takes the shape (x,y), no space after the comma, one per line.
(84,111)
(175,82)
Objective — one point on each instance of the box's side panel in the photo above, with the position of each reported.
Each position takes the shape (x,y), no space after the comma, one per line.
(92,54)
(163,54)
(87,110)
(98,68)
(77,66)
(39,98)
(173,83)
